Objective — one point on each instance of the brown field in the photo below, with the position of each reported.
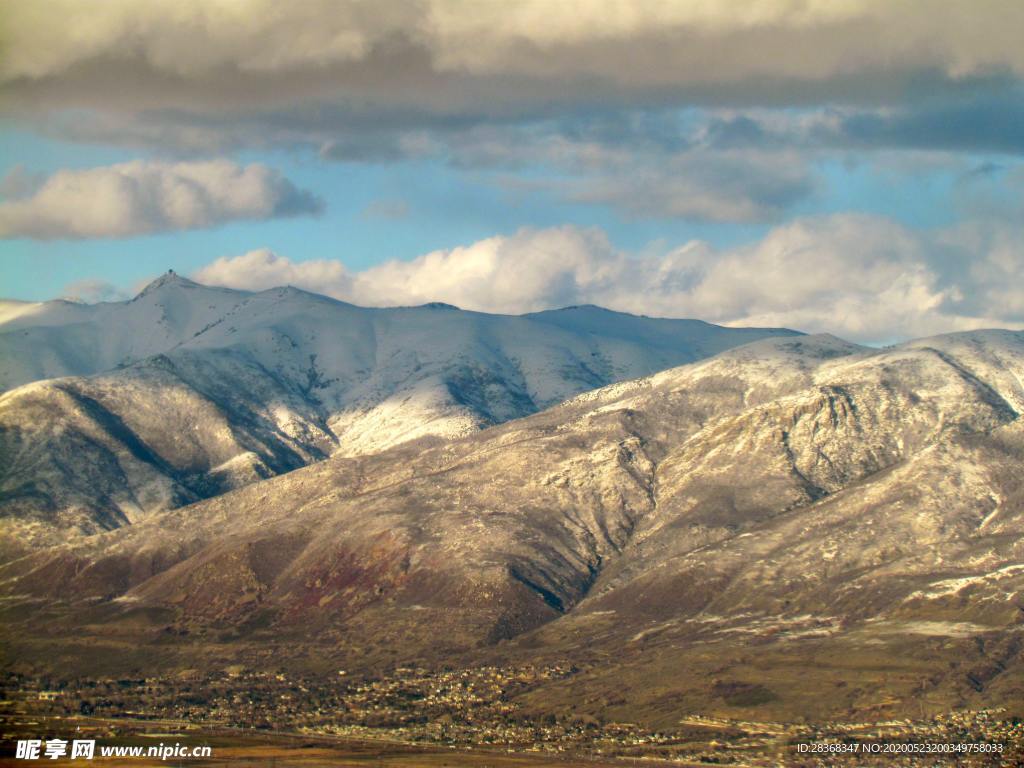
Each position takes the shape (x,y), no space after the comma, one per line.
(295,751)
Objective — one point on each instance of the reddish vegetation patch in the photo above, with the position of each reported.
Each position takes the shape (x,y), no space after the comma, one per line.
(343,580)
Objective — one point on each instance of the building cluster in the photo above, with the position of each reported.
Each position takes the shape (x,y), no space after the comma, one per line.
(478,707)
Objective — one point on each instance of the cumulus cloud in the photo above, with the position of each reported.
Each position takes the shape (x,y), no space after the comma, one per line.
(262,269)
(141,197)
(866,278)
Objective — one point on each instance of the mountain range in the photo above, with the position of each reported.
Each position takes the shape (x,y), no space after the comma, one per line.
(113,411)
(792,527)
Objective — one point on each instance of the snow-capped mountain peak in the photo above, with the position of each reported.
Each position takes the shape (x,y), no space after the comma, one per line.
(187,390)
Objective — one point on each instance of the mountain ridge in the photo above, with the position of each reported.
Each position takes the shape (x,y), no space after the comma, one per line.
(801,496)
(186,391)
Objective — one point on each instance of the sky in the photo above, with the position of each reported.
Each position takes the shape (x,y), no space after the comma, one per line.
(843,166)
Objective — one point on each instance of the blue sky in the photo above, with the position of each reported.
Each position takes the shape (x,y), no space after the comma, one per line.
(683,145)
(378,211)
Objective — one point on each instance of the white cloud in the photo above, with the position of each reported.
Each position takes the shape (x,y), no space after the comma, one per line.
(92,291)
(140,197)
(262,269)
(862,277)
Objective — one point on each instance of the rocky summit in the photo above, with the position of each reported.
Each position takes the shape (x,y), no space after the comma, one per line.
(797,527)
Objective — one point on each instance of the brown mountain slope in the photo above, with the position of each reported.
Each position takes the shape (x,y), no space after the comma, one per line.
(793,510)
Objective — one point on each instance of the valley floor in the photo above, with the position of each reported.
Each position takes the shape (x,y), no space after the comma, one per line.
(453,718)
